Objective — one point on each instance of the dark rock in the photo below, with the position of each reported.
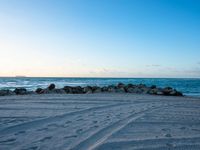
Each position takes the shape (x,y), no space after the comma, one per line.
(77,90)
(39,90)
(138,90)
(134,90)
(153,91)
(51,87)
(129,90)
(130,85)
(53,91)
(120,85)
(111,88)
(120,90)
(167,90)
(159,91)
(89,92)
(30,92)
(87,89)
(141,86)
(104,89)
(73,90)
(175,93)
(153,87)
(59,91)
(20,91)
(45,91)
(94,88)
(145,90)
(178,93)
(97,90)
(6,92)
(68,89)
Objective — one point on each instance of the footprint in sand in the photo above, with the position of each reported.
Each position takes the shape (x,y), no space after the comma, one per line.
(53,125)
(90,115)
(183,128)
(107,119)
(79,131)
(196,130)
(20,132)
(31,148)
(96,126)
(68,122)
(165,129)
(43,129)
(45,139)
(168,135)
(169,145)
(78,117)
(118,116)
(71,136)
(8,141)
(95,121)
(81,119)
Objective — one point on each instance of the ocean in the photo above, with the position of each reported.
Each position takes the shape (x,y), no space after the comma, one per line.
(189,86)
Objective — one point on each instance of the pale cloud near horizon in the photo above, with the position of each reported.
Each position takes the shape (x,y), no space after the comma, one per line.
(153,65)
(155,72)
(62,71)
(36,63)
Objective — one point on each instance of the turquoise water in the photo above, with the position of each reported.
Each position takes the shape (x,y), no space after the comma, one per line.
(187,86)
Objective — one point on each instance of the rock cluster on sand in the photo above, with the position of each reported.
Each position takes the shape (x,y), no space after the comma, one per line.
(119,88)
(6,92)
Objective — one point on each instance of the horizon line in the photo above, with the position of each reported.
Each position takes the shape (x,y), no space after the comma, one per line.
(101,77)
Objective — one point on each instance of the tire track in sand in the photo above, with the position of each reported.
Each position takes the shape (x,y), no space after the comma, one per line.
(36,123)
(98,138)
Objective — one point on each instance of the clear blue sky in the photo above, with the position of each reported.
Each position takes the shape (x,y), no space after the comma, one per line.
(100,38)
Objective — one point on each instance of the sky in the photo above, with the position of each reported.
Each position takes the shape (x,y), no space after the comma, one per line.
(100,38)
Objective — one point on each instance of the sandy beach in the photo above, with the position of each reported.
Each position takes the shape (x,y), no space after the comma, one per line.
(99,75)
(99,121)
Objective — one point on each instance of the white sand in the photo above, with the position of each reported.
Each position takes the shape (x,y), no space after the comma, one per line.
(99,121)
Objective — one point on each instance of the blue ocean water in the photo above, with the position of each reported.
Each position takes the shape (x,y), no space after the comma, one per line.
(187,86)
